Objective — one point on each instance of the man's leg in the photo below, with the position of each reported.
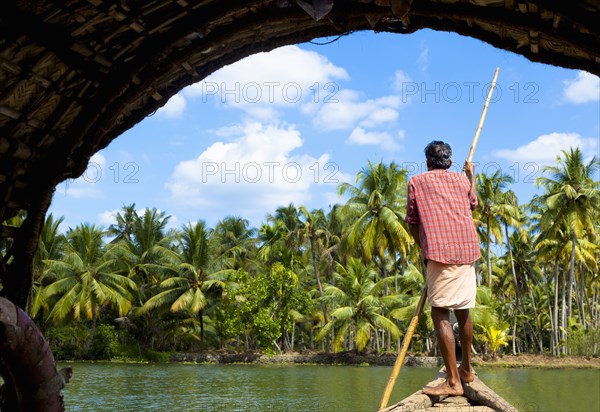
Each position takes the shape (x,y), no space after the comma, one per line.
(465,327)
(452,385)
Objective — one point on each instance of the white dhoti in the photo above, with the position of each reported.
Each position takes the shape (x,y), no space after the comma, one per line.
(451,286)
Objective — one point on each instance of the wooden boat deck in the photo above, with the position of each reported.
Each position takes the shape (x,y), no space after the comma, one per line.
(478,397)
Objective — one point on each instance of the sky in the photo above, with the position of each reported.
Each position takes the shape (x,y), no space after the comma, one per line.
(290,125)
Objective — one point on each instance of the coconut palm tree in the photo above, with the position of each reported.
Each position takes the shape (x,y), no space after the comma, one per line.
(86,280)
(312,227)
(51,247)
(152,252)
(495,336)
(186,290)
(493,203)
(277,243)
(375,216)
(572,203)
(375,213)
(281,236)
(235,244)
(529,278)
(123,229)
(359,306)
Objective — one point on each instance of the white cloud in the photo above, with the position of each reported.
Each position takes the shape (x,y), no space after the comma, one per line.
(547,147)
(263,82)
(332,198)
(86,186)
(583,89)
(174,107)
(98,159)
(350,110)
(249,175)
(423,60)
(380,116)
(400,79)
(383,139)
(108,217)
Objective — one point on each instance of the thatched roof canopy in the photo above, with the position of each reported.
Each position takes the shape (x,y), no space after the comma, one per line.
(75,74)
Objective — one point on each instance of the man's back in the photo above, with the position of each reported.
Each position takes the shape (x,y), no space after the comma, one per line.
(440,203)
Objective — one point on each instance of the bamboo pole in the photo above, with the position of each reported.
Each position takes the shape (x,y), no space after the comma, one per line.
(405,343)
(482,118)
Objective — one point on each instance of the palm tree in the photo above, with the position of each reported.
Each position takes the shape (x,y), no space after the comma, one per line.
(235,244)
(359,306)
(85,280)
(123,229)
(522,258)
(572,200)
(493,204)
(186,290)
(281,236)
(312,227)
(271,238)
(288,215)
(51,247)
(495,337)
(510,215)
(151,247)
(375,213)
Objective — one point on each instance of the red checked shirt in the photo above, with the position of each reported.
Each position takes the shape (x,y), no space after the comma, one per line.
(440,203)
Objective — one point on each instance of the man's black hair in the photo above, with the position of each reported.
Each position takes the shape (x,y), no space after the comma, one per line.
(438,155)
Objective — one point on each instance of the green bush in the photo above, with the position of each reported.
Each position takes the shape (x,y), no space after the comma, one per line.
(67,341)
(156,356)
(105,343)
(582,342)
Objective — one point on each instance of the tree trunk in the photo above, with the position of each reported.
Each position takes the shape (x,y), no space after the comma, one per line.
(538,329)
(377,347)
(293,333)
(89,340)
(512,267)
(487,251)
(563,318)
(556,273)
(316,269)
(382,268)
(517,293)
(201,319)
(572,275)
(514,336)
(16,270)
(583,298)
(592,308)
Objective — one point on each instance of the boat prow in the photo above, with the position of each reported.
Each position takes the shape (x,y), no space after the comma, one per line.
(478,397)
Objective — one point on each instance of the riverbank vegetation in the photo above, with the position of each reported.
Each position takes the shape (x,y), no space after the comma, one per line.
(346,279)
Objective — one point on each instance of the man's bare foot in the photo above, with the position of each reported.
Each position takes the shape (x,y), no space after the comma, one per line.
(443,388)
(466,376)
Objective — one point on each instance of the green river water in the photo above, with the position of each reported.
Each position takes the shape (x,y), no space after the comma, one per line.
(179,387)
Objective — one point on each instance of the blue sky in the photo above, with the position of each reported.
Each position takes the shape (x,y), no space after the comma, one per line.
(290,125)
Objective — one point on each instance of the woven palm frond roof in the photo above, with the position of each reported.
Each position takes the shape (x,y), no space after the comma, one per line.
(75,74)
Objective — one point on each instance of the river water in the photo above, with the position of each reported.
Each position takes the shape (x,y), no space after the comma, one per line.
(274,388)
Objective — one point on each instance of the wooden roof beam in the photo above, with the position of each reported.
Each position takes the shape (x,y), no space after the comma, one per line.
(74,54)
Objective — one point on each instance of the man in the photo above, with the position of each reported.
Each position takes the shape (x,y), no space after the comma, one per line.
(438,213)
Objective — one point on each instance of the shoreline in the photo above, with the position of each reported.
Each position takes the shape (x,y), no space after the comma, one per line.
(387,359)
